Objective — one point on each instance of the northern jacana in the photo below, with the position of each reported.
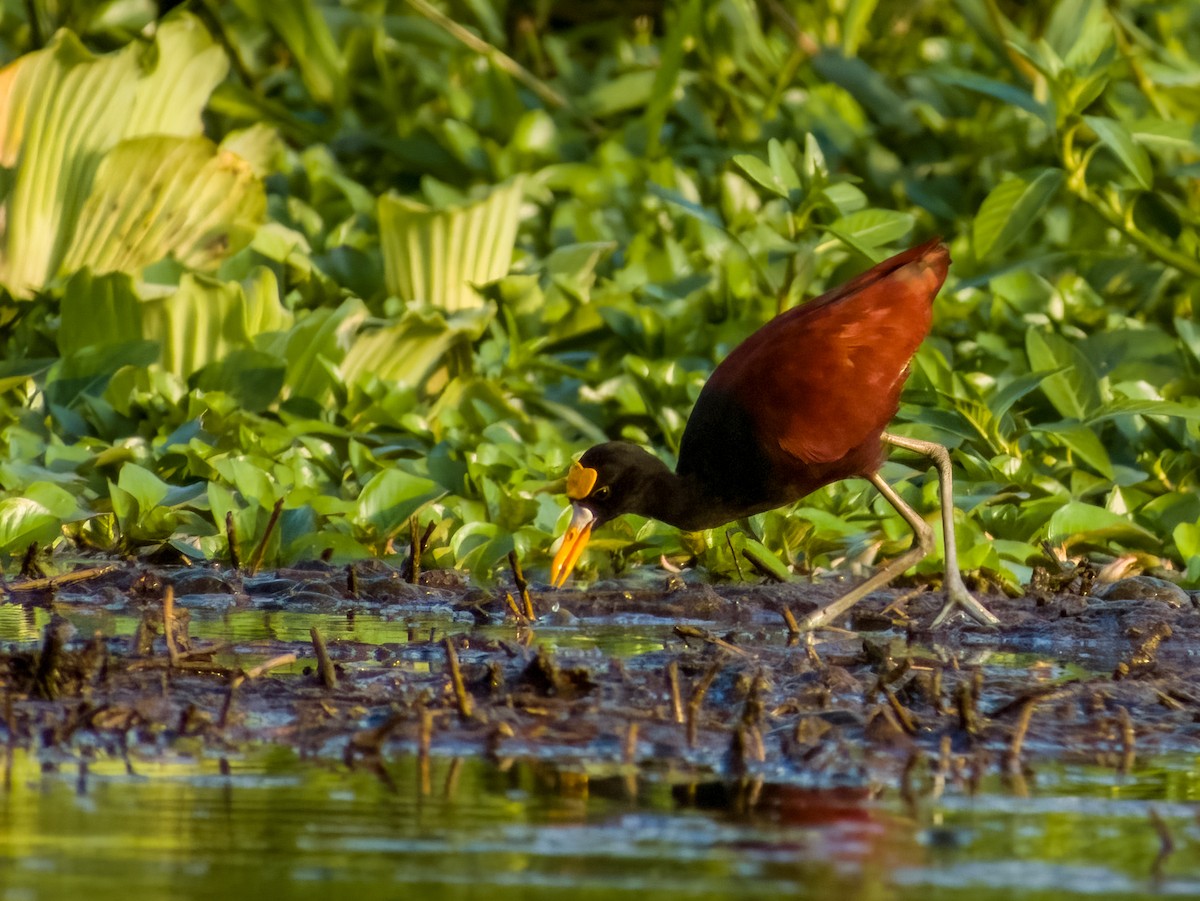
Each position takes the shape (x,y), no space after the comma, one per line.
(802,402)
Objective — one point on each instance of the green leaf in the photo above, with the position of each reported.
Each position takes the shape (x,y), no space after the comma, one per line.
(1075,391)
(999,90)
(662,95)
(251,377)
(1012,206)
(388,500)
(761,173)
(62,110)
(1076,520)
(854,24)
(1133,157)
(1086,445)
(36,514)
(193,202)
(629,91)
(781,166)
(205,320)
(874,228)
(437,256)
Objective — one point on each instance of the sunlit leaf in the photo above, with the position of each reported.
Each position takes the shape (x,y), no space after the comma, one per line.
(1116,138)
(1008,211)
(1074,391)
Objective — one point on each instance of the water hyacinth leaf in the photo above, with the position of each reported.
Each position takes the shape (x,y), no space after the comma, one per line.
(61,111)
(192,201)
(1075,390)
(1131,155)
(205,320)
(36,514)
(1077,521)
(251,377)
(437,256)
(317,345)
(423,350)
(388,500)
(1008,211)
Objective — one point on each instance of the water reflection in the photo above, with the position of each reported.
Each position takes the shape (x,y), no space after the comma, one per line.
(272,823)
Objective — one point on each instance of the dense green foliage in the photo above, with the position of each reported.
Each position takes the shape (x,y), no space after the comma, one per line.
(204,318)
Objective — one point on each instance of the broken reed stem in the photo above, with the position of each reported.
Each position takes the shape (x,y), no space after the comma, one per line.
(235,559)
(414,553)
(789,620)
(325,670)
(51,582)
(902,714)
(1128,740)
(697,699)
(1012,760)
(465,707)
(673,686)
(629,752)
(522,586)
(685,632)
(424,744)
(351,580)
(169,624)
(267,666)
(256,558)
(512,606)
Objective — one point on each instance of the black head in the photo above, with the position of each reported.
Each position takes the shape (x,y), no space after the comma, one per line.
(609,479)
(614,478)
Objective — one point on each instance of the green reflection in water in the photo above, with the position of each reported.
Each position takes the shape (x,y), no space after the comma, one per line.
(279,827)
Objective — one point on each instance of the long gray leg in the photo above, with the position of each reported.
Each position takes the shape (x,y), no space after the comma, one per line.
(957,596)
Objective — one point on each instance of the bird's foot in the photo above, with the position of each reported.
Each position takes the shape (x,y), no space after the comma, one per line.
(958,599)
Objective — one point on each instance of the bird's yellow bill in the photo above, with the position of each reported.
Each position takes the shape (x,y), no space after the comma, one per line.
(573,543)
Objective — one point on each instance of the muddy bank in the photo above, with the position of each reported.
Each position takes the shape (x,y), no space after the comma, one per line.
(683,683)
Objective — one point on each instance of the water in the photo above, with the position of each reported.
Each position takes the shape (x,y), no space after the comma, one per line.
(265,824)
(277,826)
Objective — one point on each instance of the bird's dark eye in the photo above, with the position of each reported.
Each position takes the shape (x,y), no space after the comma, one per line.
(601,493)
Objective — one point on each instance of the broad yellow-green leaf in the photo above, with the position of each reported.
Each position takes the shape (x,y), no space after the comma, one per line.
(190,201)
(204,320)
(197,324)
(415,352)
(438,255)
(62,109)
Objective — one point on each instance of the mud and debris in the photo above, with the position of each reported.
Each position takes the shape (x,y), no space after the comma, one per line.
(700,680)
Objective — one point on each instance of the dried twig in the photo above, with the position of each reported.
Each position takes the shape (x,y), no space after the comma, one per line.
(169,624)
(522,585)
(465,707)
(673,686)
(50,582)
(325,670)
(235,559)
